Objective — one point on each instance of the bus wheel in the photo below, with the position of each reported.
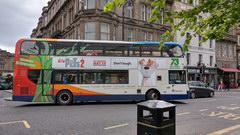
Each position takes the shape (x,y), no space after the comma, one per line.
(153,95)
(64,97)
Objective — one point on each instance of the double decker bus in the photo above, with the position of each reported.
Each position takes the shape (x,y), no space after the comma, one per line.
(69,71)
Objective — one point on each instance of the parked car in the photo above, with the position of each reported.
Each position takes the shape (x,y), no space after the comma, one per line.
(200,89)
(5,83)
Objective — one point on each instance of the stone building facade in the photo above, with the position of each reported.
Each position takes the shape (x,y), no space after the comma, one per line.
(199,54)
(226,57)
(6,62)
(85,19)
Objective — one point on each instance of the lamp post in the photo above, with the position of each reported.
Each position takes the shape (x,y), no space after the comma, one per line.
(127,4)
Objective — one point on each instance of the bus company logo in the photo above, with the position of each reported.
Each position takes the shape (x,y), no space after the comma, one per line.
(74,63)
(99,63)
(174,63)
(61,60)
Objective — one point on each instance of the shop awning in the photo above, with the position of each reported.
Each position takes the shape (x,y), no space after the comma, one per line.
(229,70)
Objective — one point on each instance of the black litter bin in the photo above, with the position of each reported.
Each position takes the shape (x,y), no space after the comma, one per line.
(156,117)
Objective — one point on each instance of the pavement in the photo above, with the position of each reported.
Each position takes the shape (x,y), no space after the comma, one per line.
(234,90)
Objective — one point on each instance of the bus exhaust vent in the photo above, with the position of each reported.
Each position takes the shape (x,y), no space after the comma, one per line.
(24,90)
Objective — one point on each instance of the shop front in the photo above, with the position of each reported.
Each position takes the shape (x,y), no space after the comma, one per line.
(229,76)
(228,73)
(209,75)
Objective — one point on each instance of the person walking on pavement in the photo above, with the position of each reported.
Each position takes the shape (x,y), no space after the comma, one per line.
(220,85)
(228,85)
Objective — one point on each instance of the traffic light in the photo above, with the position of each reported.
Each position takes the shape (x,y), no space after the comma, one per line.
(202,69)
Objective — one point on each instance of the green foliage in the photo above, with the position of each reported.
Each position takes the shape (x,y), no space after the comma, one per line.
(218,18)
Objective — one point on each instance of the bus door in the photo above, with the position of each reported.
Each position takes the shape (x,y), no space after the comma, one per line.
(47,86)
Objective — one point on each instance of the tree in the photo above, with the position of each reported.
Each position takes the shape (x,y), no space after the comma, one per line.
(220,16)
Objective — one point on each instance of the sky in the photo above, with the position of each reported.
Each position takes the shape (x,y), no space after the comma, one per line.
(17,20)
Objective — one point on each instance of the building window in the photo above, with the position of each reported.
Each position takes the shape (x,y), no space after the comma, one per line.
(210,43)
(225,50)
(184,1)
(211,60)
(71,15)
(199,40)
(90,31)
(130,34)
(149,11)
(162,16)
(230,50)
(103,3)
(187,35)
(1,66)
(160,37)
(144,36)
(143,12)
(90,4)
(200,58)
(114,32)
(195,2)
(188,58)
(129,11)
(150,36)
(219,50)
(105,31)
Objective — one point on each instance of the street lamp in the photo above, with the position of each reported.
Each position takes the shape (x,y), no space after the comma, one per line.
(128,4)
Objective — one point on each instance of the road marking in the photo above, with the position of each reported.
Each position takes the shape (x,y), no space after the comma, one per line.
(212,100)
(116,126)
(223,131)
(183,113)
(203,110)
(21,121)
(26,124)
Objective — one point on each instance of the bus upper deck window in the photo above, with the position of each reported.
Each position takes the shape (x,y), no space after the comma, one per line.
(29,47)
(177,51)
(171,51)
(91,49)
(115,50)
(134,50)
(66,48)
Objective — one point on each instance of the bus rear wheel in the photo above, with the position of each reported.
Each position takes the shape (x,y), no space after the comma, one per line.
(64,97)
(153,95)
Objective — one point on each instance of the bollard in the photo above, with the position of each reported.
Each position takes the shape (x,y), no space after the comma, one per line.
(156,117)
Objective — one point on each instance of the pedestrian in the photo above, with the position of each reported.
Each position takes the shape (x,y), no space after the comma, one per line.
(227,85)
(220,85)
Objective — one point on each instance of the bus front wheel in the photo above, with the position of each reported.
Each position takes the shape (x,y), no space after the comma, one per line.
(153,95)
(64,97)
